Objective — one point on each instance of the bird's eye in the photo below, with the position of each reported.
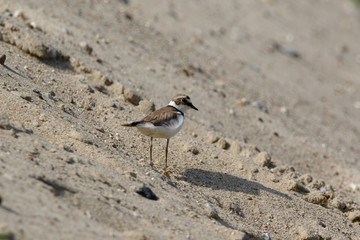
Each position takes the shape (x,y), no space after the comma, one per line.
(182,100)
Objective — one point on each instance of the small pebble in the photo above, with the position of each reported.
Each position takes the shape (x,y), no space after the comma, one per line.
(261,106)
(211,211)
(223,144)
(284,110)
(192,149)
(212,137)
(118,88)
(107,81)
(354,216)
(74,134)
(49,96)
(338,203)
(2,59)
(306,234)
(4,122)
(86,47)
(101,89)
(297,187)
(317,198)
(306,178)
(147,193)
(354,187)
(50,166)
(132,97)
(62,107)
(19,14)
(263,159)
(235,147)
(243,102)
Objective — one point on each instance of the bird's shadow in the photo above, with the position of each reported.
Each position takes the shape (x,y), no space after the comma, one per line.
(227,182)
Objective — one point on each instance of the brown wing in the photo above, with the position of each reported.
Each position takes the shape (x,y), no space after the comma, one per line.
(159,116)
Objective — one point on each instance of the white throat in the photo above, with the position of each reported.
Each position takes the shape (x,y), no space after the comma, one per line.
(178,107)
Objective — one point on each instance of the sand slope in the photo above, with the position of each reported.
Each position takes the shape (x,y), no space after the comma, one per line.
(272,153)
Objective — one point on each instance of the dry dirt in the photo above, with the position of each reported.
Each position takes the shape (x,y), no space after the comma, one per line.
(272,153)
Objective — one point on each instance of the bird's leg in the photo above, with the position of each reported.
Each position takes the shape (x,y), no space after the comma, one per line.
(151,162)
(166,152)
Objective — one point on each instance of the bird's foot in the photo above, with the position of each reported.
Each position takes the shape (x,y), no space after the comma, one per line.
(166,173)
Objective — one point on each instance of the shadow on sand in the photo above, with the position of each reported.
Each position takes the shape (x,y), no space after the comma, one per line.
(223,181)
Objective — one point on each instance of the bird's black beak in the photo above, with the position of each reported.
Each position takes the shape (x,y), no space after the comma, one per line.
(192,106)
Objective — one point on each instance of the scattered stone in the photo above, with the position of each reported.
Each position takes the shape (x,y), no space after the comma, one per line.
(100,88)
(338,203)
(133,174)
(118,88)
(212,137)
(13,133)
(187,72)
(128,16)
(235,147)
(51,166)
(19,14)
(79,136)
(237,235)
(317,184)
(107,81)
(354,216)
(86,47)
(223,144)
(4,122)
(306,178)
(233,207)
(306,234)
(246,153)
(146,106)
(291,52)
(261,106)
(284,110)
(70,160)
(192,149)
(147,193)
(243,102)
(132,97)
(317,198)
(27,98)
(62,107)
(2,59)
(49,96)
(297,187)
(210,211)
(263,159)
(354,187)
(284,50)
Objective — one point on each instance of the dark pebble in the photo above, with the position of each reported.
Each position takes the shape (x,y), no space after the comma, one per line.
(147,193)
(51,166)
(27,98)
(2,59)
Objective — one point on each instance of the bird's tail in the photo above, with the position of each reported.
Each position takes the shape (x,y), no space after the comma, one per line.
(133,124)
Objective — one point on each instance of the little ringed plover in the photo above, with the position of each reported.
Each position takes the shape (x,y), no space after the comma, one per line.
(164,122)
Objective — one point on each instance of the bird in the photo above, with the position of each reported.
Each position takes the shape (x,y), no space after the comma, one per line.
(164,122)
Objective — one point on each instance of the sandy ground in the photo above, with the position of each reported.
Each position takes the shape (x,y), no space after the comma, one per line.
(272,153)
